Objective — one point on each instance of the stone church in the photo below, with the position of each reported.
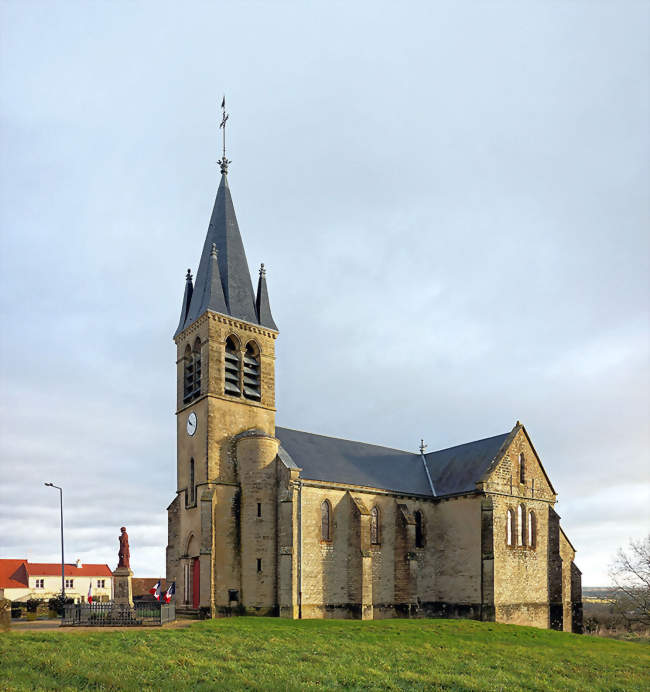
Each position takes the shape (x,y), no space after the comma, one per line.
(274,521)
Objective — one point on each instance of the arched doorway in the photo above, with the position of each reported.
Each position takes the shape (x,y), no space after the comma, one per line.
(192,574)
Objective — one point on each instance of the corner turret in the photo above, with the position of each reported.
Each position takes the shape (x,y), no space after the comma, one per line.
(262,304)
(185,307)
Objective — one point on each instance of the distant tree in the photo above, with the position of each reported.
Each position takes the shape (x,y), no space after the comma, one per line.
(630,573)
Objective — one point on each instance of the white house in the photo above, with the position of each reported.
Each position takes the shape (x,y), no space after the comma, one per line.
(21,580)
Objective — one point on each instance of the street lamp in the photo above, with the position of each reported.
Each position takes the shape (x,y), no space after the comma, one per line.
(51,485)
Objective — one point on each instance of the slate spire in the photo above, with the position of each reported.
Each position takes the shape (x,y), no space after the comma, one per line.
(223,282)
(223,233)
(209,294)
(185,307)
(262,304)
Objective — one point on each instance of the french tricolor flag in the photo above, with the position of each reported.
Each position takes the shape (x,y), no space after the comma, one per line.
(170,592)
(90,591)
(155,591)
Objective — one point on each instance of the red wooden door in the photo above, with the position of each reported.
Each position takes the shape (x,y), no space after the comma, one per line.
(196,573)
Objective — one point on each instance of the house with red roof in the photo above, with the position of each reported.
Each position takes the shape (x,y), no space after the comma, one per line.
(21,580)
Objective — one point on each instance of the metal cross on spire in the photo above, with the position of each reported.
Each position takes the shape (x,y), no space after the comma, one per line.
(223,162)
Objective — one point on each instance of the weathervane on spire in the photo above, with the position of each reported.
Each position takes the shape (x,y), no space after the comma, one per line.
(223,162)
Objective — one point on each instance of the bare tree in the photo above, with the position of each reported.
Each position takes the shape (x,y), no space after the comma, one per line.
(630,573)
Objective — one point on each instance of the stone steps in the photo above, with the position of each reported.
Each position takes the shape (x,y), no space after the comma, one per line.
(187,612)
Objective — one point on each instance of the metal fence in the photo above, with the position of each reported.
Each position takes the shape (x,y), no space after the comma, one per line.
(117,614)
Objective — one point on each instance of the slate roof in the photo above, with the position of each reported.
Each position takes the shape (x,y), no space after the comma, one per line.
(223,282)
(458,469)
(454,470)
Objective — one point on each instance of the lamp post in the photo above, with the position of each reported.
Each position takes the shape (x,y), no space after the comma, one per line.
(51,485)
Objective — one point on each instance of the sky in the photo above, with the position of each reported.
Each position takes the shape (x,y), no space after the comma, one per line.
(451,201)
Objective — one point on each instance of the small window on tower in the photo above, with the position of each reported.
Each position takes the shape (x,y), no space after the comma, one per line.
(252,388)
(191,485)
(259,509)
(232,367)
(259,564)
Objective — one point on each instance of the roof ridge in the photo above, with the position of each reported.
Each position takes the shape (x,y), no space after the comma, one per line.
(464,444)
(345,439)
(394,449)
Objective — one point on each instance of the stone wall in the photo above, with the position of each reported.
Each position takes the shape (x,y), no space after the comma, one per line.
(521,570)
(217,498)
(256,454)
(349,576)
(571,588)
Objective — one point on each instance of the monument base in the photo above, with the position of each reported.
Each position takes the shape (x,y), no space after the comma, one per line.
(122,586)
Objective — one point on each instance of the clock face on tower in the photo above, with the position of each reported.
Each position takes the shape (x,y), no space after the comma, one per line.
(191,424)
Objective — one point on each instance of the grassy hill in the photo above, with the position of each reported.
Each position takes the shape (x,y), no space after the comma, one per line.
(265,653)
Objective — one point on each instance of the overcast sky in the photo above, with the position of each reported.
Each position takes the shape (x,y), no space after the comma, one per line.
(451,199)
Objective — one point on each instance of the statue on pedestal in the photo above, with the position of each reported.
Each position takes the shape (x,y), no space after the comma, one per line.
(123,553)
(122,575)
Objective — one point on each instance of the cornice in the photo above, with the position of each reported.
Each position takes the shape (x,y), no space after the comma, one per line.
(227,320)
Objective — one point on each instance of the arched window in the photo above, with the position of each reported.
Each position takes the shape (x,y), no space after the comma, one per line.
(419,532)
(522,468)
(191,485)
(510,527)
(532,530)
(252,388)
(374,525)
(325,521)
(232,367)
(521,525)
(192,372)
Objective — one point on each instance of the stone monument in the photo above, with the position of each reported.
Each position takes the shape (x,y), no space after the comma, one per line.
(122,575)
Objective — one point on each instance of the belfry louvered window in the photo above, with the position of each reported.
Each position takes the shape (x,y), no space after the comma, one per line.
(192,372)
(232,368)
(252,388)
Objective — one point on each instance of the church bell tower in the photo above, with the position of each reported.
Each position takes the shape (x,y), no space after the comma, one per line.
(225,396)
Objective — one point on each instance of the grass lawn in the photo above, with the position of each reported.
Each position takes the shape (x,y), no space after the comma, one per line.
(269,653)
